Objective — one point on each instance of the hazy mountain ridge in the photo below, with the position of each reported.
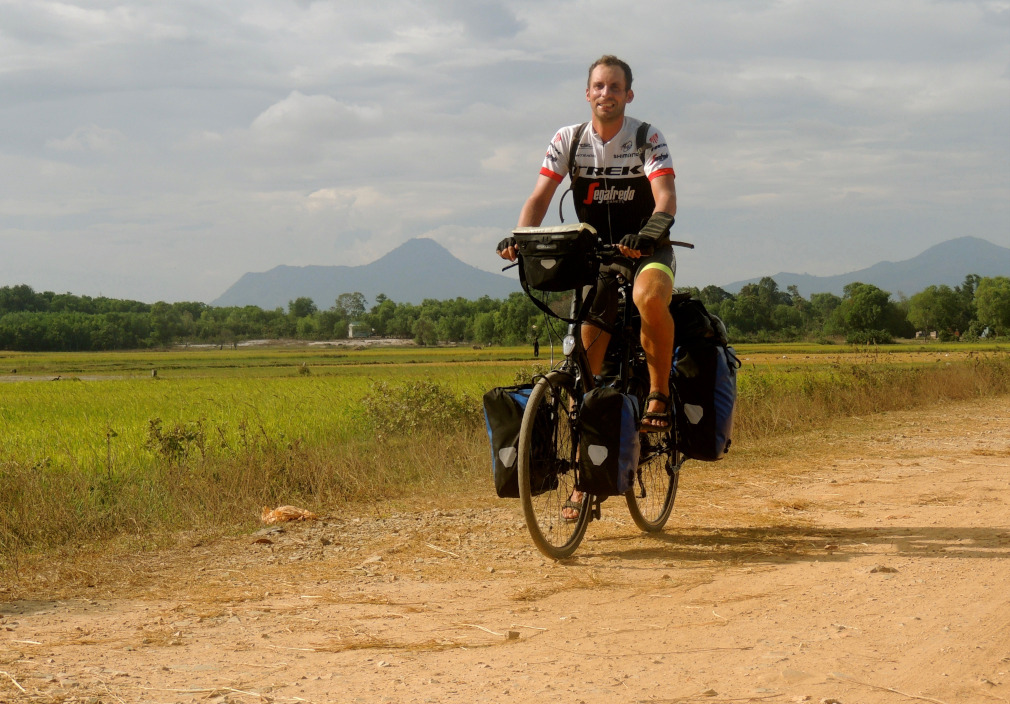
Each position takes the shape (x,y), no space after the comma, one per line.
(945,263)
(419,268)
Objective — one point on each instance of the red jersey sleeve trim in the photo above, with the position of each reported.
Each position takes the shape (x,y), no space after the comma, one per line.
(661,172)
(544,171)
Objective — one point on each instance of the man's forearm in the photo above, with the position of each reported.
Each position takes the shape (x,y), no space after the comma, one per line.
(533,213)
(668,205)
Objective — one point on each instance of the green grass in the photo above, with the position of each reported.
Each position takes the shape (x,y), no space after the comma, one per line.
(217,434)
(297,395)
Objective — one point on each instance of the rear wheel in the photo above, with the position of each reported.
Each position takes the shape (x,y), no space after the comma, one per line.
(548,442)
(650,500)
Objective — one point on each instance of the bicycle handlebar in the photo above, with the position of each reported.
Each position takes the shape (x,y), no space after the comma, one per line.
(607,253)
(611,251)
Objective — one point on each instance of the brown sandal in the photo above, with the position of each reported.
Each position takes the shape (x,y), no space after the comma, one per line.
(660,420)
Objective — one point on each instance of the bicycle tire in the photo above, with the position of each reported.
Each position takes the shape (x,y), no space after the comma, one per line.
(548,443)
(650,499)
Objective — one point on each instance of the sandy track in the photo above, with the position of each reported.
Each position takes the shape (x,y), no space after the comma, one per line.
(871,569)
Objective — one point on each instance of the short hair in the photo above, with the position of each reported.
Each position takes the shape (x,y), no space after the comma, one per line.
(611,60)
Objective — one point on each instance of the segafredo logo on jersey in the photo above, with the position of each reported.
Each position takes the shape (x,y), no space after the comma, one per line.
(608,195)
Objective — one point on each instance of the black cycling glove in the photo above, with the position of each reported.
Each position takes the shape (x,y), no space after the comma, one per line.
(657,228)
(506,243)
(639,243)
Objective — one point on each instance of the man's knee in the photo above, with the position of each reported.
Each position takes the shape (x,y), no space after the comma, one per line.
(652,294)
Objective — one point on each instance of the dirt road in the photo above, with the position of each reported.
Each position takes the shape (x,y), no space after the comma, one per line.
(866,564)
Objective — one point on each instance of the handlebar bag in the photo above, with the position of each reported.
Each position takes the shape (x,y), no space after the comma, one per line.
(609,443)
(503,416)
(557,258)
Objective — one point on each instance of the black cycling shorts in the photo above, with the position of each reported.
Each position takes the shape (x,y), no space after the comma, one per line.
(604,306)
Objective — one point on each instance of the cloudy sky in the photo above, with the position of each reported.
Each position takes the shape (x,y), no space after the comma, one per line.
(159,149)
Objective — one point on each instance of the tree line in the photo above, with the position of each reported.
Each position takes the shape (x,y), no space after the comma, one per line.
(46,321)
(979,307)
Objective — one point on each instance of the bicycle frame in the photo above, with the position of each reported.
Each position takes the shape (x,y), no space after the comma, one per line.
(624,368)
(622,332)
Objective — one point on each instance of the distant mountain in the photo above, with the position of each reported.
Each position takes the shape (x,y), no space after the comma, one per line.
(418,269)
(946,263)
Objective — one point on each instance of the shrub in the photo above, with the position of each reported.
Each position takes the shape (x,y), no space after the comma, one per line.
(176,443)
(527,374)
(415,407)
(869,337)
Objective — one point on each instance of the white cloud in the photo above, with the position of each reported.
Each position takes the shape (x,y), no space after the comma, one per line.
(357,202)
(314,114)
(88,139)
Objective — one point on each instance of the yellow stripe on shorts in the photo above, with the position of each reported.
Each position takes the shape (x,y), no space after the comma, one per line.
(662,267)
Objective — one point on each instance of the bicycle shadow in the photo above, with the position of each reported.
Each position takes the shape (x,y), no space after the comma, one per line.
(783,543)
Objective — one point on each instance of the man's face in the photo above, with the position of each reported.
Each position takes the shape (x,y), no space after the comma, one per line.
(607,93)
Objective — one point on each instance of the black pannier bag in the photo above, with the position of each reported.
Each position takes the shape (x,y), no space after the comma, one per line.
(705,367)
(557,258)
(503,416)
(609,444)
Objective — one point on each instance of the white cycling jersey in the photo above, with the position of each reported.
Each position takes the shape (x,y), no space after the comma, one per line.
(611,187)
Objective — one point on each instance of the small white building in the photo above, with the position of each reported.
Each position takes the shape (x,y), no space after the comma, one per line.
(358,330)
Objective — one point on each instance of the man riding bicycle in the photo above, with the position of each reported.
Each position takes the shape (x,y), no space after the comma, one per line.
(627,193)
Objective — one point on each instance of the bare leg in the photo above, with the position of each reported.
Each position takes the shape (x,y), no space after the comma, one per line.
(595,341)
(653,292)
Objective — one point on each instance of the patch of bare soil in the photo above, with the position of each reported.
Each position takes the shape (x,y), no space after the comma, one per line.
(866,564)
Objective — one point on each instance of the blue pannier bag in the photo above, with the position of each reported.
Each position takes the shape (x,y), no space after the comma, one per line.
(705,376)
(503,416)
(609,444)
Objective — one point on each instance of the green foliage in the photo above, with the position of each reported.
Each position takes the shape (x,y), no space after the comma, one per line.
(867,309)
(939,308)
(301,307)
(46,321)
(352,305)
(176,443)
(869,337)
(419,408)
(992,300)
(526,374)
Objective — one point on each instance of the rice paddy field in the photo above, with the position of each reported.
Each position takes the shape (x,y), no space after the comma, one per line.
(98,444)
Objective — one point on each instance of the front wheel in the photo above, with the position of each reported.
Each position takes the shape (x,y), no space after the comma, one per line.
(548,443)
(650,499)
